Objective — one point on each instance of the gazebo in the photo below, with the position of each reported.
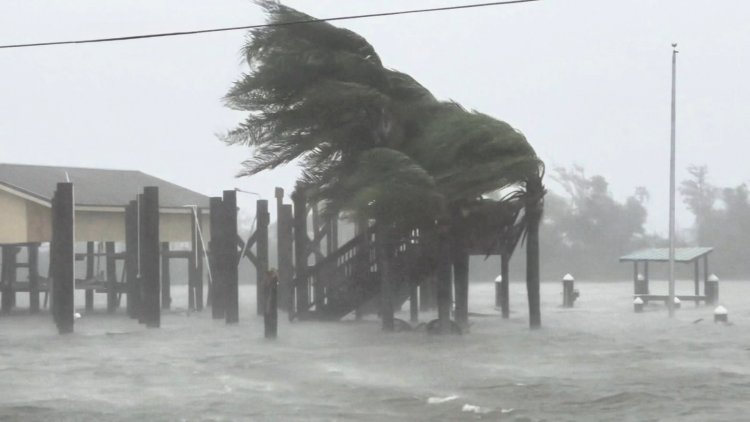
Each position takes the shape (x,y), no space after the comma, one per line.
(690,255)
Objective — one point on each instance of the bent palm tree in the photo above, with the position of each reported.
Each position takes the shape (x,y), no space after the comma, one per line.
(371,140)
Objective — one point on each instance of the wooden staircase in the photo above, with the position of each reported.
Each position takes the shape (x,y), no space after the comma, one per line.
(349,279)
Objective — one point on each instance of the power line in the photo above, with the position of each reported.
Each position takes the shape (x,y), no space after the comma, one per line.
(238,28)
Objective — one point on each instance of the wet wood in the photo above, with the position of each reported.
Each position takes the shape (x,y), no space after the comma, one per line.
(62,251)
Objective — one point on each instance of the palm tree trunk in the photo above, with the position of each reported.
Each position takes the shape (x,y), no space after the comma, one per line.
(534,204)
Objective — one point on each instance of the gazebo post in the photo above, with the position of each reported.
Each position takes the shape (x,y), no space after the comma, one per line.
(696,278)
(706,289)
(645,278)
(635,277)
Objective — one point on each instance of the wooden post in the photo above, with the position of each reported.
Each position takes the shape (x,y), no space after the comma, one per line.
(8,277)
(33,259)
(131,258)
(218,308)
(362,266)
(280,229)
(705,276)
(195,263)
(232,257)
(263,219)
(166,282)
(300,250)
(90,257)
(286,259)
(270,304)
(505,285)
(461,286)
(569,292)
(149,256)
(696,279)
(63,217)
(317,287)
(384,247)
(111,264)
(443,285)
(636,289)
(645,277)
(413,301)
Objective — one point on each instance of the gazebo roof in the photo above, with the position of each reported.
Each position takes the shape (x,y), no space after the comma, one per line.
(94,187)
(662,254)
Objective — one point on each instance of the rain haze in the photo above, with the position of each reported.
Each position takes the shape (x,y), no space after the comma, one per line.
(587,83)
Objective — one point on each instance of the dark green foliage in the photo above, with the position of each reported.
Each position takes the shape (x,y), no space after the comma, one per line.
(370,140)
(586,232)
(722,220)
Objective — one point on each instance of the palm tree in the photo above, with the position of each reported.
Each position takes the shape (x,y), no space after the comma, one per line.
(370,140)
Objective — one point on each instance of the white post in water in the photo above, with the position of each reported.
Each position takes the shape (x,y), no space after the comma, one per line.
(670,302)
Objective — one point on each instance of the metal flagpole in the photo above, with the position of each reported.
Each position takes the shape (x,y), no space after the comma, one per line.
(670,304)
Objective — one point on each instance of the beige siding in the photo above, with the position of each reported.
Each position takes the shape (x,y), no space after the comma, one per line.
(24,221)
(176,227)
(39,218)
(12,218)
(95,226)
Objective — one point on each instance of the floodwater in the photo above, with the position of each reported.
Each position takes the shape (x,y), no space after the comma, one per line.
(599,361)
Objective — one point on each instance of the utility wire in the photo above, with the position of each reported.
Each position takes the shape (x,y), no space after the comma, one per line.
(238,28)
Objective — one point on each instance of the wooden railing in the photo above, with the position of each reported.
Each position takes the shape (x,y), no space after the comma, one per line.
(349,276)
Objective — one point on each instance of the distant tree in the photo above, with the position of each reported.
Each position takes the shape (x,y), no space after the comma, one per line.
(593,229)
(700,198)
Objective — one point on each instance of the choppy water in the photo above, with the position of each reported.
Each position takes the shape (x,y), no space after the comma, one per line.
(598,361)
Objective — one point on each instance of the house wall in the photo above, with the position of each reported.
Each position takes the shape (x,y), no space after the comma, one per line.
(22,220)
(39,222)
(12,218)
(96,225)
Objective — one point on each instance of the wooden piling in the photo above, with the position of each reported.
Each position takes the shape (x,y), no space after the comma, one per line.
(263,219)
(166,282)
(533,210)
(33,260)
(384,248)
(217,267)
(232,256)
(149,256)
(111,265)
(286,259)
(131,258)
(317,287)
(413,302)
(63,217)
(195,275)
(300,250)
(270,304)
(9,255)
(443,287)
(461,286)
(90,257)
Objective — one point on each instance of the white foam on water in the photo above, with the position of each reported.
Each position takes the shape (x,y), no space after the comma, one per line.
(470,408)
(438,400)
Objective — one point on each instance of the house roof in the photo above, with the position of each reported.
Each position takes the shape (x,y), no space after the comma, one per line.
(662,254)
(95,187)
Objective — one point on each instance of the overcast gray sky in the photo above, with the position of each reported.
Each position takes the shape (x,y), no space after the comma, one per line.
(587,81)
